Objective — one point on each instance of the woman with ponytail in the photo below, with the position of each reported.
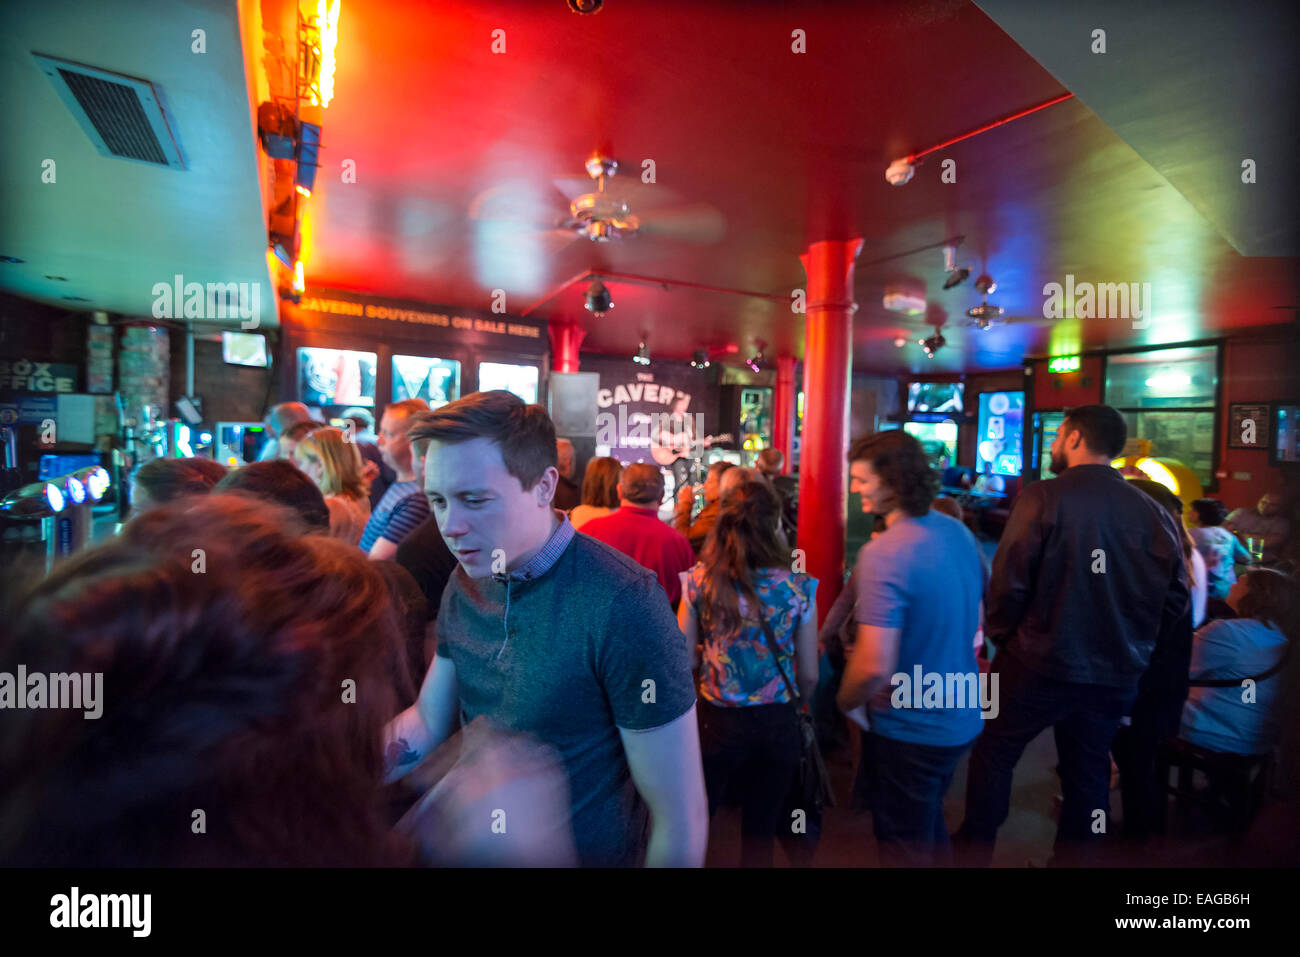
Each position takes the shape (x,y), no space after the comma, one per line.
(739,602)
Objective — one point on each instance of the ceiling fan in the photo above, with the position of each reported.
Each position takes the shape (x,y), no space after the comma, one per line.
(986,315)
(599,209)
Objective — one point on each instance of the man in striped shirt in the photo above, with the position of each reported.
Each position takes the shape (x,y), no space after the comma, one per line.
(403,507)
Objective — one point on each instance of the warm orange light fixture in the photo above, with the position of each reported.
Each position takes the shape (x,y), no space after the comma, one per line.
(327,22)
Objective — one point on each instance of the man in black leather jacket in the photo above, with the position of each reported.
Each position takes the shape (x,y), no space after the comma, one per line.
(1087,579)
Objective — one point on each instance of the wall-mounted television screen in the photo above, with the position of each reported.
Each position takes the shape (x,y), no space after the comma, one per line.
(244,348)
(935,397)
(1001,422)
(336,377)
(1286,434)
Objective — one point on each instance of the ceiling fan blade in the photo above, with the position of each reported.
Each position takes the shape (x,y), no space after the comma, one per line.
(698,223)
(574,186)
(625,187)
(1028,321)
(516,205)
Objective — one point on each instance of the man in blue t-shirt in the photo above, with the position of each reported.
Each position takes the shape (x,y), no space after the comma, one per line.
(919,588)
(403,508)
(554,635)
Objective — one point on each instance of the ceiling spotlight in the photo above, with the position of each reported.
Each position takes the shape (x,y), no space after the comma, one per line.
(899,172)
(985,284)
(757,362)
(933,344)
(586,6)
(700,359)
(955,276)
(599,301)
(642,356)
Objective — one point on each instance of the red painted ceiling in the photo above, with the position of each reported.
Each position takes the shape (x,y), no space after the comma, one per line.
(457,148)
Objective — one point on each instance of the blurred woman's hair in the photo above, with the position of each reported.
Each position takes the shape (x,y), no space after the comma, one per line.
(164,480)
(1272,596)
(1171,503)
(600,482)
(340,461)
(280,482)
(245,676)
(745,538)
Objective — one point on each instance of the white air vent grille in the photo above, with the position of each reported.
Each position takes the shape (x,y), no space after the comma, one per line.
(120,114)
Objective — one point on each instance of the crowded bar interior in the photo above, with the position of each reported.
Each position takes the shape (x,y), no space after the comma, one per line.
(675,423)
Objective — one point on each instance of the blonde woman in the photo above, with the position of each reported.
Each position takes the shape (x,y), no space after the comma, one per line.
(335,465)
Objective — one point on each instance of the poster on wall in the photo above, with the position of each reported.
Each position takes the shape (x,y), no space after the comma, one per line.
(658,414)
(1248,425)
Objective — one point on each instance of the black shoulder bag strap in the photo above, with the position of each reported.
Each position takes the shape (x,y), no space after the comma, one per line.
(776,658)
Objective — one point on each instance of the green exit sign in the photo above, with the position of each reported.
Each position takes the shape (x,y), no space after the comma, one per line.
(1063,364)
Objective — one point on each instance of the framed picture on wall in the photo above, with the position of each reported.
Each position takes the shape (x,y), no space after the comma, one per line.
(1248,425)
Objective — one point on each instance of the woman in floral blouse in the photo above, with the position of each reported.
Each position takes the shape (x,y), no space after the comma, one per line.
(749,731)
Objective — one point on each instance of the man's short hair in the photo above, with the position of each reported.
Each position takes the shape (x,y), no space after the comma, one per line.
(642,484)
(407,407)
(363,417)
(524,433)
(280,417)
(717,468)
(1103,429)
(281,482)
(900,461)
(418,446)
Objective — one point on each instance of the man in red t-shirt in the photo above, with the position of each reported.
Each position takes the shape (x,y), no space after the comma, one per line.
(635,529)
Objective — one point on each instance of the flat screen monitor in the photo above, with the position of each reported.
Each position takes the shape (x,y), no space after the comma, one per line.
(336,377)
(437,381)
(935,397)
(519,379)
(939,439)
(244,348)
(1286,434)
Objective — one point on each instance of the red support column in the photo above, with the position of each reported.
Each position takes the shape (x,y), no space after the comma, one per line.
(566,337)
(828,357)
(783,398)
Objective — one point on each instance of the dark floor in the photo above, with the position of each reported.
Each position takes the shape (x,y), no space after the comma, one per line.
(1192,839)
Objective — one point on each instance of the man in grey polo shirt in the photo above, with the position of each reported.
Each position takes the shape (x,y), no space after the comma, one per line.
(556,635)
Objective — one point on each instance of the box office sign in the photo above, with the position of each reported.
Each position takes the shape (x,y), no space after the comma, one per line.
(503,331)
(27,375)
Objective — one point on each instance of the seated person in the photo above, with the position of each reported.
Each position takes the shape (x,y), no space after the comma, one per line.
(1238,719)
(1267,521)
(1219,547)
